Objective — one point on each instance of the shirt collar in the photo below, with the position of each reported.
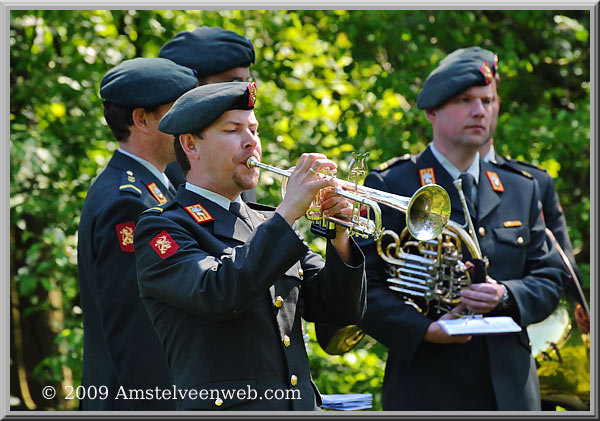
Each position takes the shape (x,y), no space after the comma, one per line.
(452,170)
(212,196)
(160,175)
(490,156)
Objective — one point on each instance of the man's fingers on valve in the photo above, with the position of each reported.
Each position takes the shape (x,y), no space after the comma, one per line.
(333,204)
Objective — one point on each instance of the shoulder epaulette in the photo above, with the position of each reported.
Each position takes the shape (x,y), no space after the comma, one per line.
(391,162)
(524,163)
(129,184)
(507,166)
(158,209)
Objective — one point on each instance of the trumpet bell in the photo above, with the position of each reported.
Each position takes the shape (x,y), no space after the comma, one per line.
(428,212)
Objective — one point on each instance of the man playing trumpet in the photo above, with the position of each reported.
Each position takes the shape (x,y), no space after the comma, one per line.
(225,284)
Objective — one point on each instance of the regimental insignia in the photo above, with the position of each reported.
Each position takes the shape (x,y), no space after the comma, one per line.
(495,181)
(164,245)
(510,224)
(125,234)
(496,63)
(252,94)
(130,176)
(158,195)
(486,71)
(427,176)
(199,214)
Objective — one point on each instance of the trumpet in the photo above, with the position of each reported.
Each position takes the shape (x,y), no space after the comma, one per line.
(427,211)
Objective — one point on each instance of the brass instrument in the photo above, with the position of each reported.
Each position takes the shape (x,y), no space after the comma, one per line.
(427,211)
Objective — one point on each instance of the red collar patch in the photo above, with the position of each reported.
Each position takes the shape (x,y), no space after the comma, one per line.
(164,245)
(199,214)
(125,234)
(427,176)
(495,181)
(158,195)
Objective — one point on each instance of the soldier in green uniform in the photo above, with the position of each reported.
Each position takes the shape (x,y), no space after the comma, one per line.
(426,368)
(227,284)
(120,347)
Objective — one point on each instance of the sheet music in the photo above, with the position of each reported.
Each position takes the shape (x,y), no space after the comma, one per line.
(479,325)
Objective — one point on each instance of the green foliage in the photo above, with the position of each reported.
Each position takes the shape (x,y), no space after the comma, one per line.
(331,81)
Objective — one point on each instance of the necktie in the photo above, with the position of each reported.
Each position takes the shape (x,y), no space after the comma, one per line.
(239,210)
(468,185)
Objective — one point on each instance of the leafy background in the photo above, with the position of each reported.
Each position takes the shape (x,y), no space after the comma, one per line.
(332,81)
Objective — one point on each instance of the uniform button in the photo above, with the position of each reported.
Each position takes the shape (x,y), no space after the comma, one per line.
(218,401)
(481,231)
(129,172)
(519,240)
(286,341)
(300,272)
(294,380)
(279,301)
(530,346)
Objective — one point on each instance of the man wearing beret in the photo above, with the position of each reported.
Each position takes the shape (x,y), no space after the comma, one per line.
(428,369)
(227,284)
(215,55)
(121,350)
(552,212)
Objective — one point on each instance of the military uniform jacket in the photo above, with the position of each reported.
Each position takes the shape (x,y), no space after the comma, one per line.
(120,347)
(489,372)
(227,301)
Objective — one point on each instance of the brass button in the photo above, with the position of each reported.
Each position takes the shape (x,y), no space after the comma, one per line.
(218,401)
(519,240)
(294,380)
(286,341)
(279,301)
(481,231)
(300,272)
(129,172)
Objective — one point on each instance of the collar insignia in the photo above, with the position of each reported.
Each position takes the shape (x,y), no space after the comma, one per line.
(158,195)
(495,181)
(427,176)
(199,214)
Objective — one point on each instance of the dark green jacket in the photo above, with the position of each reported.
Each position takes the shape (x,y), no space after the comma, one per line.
(211,287)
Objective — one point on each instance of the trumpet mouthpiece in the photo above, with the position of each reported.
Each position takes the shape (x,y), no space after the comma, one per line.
(252,162)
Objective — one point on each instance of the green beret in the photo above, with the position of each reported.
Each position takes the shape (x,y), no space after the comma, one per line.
(146,82)
(456,73)
(202,106)
(209,51)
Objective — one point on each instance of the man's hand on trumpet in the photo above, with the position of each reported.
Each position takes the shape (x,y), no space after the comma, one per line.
(304,184)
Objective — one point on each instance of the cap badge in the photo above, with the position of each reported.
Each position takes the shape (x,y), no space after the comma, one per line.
(486,71)
(158,195)
(495,181)
(199,214)
(164,245)
(252,95)
(427,176)
(125,234)
(496,62)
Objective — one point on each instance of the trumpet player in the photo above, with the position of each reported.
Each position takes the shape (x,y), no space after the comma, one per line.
(426,368)
(226,283)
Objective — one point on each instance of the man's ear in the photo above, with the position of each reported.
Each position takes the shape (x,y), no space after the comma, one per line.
(188,144)
(139,119)
(430,114)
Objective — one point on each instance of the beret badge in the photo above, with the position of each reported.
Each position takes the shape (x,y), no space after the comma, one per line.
(252,94)
(486,71)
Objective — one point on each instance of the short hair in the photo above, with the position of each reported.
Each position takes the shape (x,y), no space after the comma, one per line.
(120,118)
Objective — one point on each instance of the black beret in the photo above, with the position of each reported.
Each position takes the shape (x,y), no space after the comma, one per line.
(146,82)
(457,72)
(202,106)
(209,50)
